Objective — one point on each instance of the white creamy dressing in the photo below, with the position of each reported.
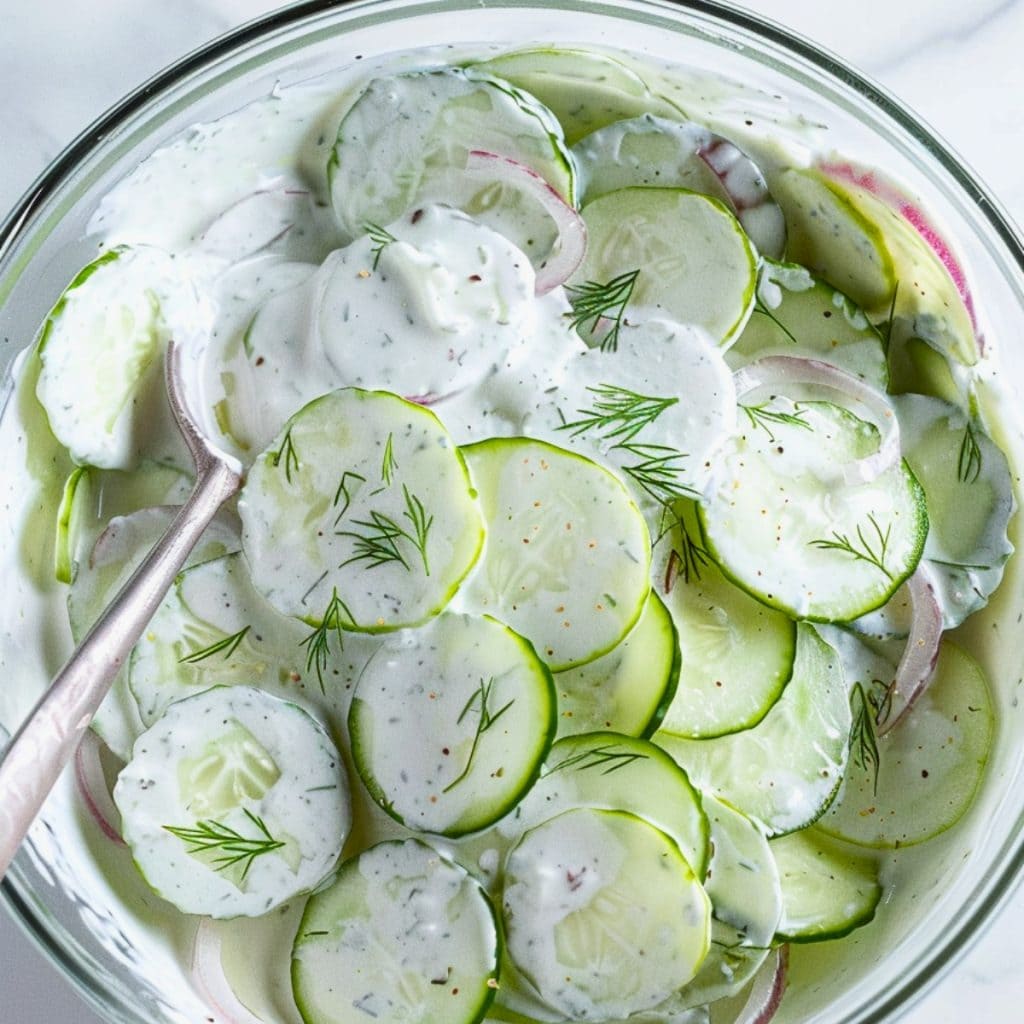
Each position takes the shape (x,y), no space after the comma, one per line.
(209,194)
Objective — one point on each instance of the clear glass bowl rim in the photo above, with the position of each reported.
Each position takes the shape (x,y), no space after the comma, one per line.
(998,887)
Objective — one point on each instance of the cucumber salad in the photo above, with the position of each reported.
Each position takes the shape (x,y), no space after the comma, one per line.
(581,645)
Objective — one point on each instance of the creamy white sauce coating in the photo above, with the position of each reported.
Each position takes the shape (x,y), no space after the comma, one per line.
(266,163)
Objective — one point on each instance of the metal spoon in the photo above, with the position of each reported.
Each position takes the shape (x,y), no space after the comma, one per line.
(44,744)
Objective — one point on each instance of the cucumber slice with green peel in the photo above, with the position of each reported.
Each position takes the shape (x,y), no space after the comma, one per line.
(403,936)
(830,234)
(101,354)
(798,315)
(736,653)
(584,90)
(568,554)
(93,497)
(929,766)
(827,890)
(422,126)
(784,772)
(221,819)
(115,556)
(610,771)
(746,905)
(776,503)
(916,367)
(667,153)
(361,515)
(215,629)
(926,297)
(658,409)
(602,914)
(693,262)
(966,480)
(628,689)
(449,725)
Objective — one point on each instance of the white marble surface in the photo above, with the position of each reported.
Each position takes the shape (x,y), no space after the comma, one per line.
(959,65)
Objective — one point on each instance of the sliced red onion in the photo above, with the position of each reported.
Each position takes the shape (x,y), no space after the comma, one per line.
(211,983)
(767,990)
(253,223)
(747,190)
(571,245)
(92,787)
(779,371)
(917,663)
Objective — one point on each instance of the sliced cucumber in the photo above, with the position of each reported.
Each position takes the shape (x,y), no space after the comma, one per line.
(746,904)
(798,315)
(827,890)
(446,301)
(618,773)
(115,556)
(568,554)
(403,936)
(602,914)
(361,516)
(449,724)
(215,628)
(92,497)
(628,689)
(736,653)
(652,150)
(421,127)
(101,353)
(220,817)
(928,767)
(832,236)
(776,503)
(584,90)
(966,480)
(784,771)
(695,264)
(658,407)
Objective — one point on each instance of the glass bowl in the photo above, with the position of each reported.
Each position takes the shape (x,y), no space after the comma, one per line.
(947,889)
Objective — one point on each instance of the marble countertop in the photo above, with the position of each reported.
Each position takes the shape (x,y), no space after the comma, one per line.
(958,65)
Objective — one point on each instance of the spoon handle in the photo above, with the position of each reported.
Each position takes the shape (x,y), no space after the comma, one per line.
(45,742)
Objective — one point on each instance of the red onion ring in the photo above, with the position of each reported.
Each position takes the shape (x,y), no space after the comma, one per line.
(208,974)
(917,663)
(92,787)
(571,245)
(747,190)
(779,371)
(767,990)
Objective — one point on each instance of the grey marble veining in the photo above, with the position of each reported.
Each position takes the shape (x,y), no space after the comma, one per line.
(958,64)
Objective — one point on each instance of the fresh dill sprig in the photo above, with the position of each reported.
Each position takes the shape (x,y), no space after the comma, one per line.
(761,416)
(318,643)
(342,493)
(378,539)
(388,463)
(892,316)
(486,719)
(288,453)
(687,558)
(593,302)
(968,466)
(228,645)
(618,413)
(760,307)
(236,848)
(380,238)
(658,471)
(872,551)
(607,757)
(863,737)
